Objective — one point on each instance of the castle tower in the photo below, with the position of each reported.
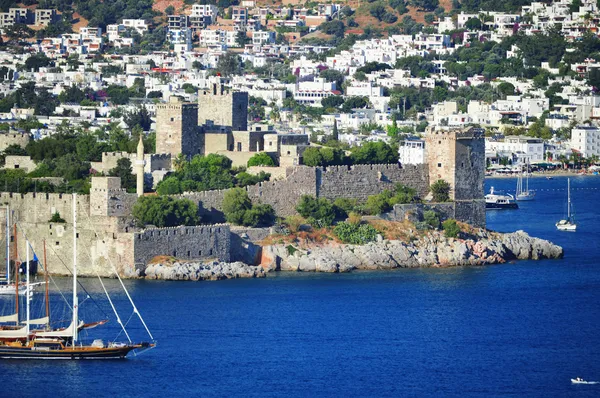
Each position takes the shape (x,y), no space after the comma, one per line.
(177,128)
(222,107)
(458,157)
(139,165)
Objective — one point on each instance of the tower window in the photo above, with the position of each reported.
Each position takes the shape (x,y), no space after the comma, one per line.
(172,119)
(439,165)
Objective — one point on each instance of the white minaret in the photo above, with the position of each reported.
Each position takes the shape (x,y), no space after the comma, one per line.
(139,167)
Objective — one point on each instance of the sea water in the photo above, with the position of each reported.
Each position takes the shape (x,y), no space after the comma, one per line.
(518,329)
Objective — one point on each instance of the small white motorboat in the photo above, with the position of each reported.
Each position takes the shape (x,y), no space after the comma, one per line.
(579,380)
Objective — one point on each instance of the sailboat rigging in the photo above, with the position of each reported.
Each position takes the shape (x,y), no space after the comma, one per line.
(524,194)
(568,224)
(63,343)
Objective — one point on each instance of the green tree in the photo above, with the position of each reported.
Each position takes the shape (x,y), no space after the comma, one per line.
(312,157)
(123,170)
(377,10)
(229,64)
(318,212)
(235,204)
(506,88)
(374,153)
(241,39)
(333,76)
(165,211)
(261,159)
(139,117)
(238,209)
(440,190)
(334,134)
(473,24)
(169,186)
(333,101)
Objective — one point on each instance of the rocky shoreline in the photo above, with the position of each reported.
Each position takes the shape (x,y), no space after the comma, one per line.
(432,250)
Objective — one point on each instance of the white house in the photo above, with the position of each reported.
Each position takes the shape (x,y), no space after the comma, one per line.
(586,140)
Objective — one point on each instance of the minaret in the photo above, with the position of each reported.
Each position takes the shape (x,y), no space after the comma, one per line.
(139,167)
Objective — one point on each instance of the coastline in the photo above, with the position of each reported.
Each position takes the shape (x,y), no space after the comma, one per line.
(433,250)
(543,175)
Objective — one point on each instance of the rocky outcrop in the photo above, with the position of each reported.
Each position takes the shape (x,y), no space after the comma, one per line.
(432,250)
(203,271)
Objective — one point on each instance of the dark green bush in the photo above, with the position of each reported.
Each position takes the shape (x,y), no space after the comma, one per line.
(451,228)
(431,218)
(356,234)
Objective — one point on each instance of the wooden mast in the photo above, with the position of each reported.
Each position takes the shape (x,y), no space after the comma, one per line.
(46,277)
(16,271)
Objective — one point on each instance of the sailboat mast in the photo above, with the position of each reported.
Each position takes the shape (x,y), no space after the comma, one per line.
(568,198)
(16,272)
(27,287)
(8,245)
(75,302)
(46,277)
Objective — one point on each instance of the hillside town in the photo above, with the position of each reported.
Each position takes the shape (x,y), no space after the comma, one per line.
(251,114)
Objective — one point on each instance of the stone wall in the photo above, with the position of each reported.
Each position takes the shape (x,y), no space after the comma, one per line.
(244,244)
(8,139)
(157,161)
(101,244)
(361,181)
(284,195)
(108,199)
(414,211)
(20,162)
(223,108)
(177,128)
(189,243)
(470,165)
(471,212)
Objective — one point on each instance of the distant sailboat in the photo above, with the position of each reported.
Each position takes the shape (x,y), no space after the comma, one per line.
(524,194)
(567,224)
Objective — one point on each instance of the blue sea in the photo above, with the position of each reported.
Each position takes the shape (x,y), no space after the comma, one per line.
(519,329)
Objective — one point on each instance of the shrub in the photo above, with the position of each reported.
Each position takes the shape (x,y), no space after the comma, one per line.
(431,218)
(403,194)
(261,159)
(440,190)
(317,211)
(356,234)
(354,218)
(238,209)
(422,226)
(343,206)
(378,204)
(56,218)
(451,228)
(294,223)
(165,211)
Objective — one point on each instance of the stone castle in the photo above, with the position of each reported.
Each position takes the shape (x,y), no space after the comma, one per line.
(217,124)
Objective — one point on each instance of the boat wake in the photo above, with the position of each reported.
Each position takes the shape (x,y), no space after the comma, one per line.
(585,382)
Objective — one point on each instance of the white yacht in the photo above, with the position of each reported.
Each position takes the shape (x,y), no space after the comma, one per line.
(495,201)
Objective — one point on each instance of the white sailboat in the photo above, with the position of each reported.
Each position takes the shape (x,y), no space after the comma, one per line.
(524,194)
(567,224)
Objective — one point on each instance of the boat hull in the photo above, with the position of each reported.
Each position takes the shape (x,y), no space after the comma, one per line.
(524,198)
(8,352)
(571,227)
(501,206)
